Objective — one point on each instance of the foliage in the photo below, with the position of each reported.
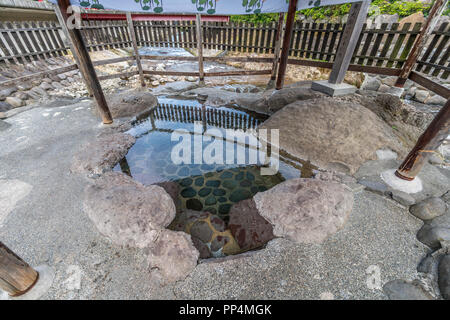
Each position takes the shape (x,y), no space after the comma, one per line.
(401,7)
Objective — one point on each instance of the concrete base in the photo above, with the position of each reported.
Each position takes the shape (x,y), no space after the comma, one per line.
(333,89)
(396,183)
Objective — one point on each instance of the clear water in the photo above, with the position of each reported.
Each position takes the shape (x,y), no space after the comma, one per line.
(203,187)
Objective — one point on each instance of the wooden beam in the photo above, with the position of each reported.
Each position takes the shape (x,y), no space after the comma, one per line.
(16,276)
(86,65)
(429,141)
(349,39)
(198,26)
(421,40)
(277,51)
(286,43)
(75,57)
(135,47)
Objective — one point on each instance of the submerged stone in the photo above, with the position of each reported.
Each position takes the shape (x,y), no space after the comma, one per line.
(240,194)
(211,200)
(219,192)
(194,204)
(226,175)
(213,183)
(188,192)
(186,182)
(199,181)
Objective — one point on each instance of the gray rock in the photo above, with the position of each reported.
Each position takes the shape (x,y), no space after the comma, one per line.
(24,86)
(372,83)
(352,139)
(421,95)
(404,290)
(285,96)
(444,277)
(130,103)
(305,210)
(433,236)
(428,209)
(4,106)
(14,102)
(375,186)
(403,198)
(46,86)
(437,100)
(172,255)
(127,212)
(4,125)
(103,153)
(427,264)
(7,92)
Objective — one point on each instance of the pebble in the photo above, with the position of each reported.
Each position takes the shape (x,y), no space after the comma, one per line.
(14,102)
(428,209)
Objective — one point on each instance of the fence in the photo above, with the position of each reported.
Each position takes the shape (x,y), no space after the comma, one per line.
(382,49)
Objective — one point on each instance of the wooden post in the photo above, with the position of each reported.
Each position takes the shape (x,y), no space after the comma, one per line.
(277,51)
(75,57)
(421,40)
(429,141)
(86,65)
(16,276)
(356,18)
(198,25)
(135,47)
(286,43)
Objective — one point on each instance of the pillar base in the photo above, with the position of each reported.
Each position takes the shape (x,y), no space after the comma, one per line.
(333,89)
(412,186)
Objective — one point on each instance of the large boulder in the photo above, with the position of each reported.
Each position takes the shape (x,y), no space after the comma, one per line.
(305,210)
(130,103)
(406,290)
(173,255)
(127,212)
(429,208)
(326,131)
(103,153)
(283,97)
(248,227)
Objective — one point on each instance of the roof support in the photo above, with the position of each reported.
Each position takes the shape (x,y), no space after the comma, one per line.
(286,43)
(16,276)
(277,51)
(421,40)
(135,48)
(86,66)
(356,19)
(429,141)
(198,26)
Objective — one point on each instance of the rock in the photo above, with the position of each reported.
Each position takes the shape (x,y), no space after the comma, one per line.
(413,19)
(14,102)
(155,83)
(384,88)
(375,186)
(305,210)
(385,18)
(46,86)
(421,95)
(428,209)
(371,83)
(191,79)
(248,227)
(403,198)
(172,255)
(444,277)
(437,100)
(57,85)
(285,96)
(24,86)
(433,236)
(103,153)
(127,212)
(3,124)
(130,103)
(386,154)
(3,115)
(173,189)
(7,92)
(4,106)
(322,137)
(404,290)
(427,264)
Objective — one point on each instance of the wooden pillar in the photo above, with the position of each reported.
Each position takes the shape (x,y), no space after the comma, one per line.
(421,40)
(429,141)
(75,57)
(356,19)
(277,51)
(16,276)
(286,43)
(198,25)
(135,47)
(86,66)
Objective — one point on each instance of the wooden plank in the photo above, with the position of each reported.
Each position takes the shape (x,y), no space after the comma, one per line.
(430,85)
(398,45)
(433,16)
(387,45)
(86,65)
(440,48)
(435,37)
(356,18)
(286,43)
(16,276)
(135,47)
(409,43)
(304,40)
(198,25)
(324,47)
